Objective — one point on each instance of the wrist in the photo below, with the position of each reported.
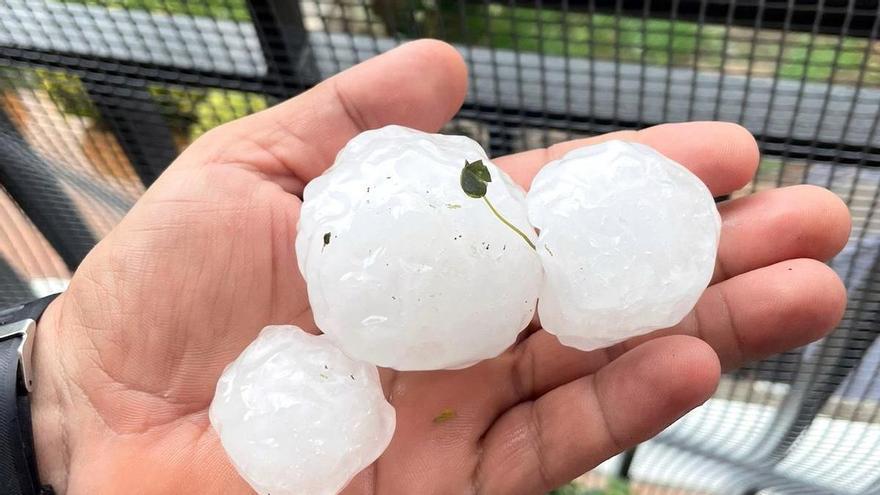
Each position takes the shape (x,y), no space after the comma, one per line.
(48,399)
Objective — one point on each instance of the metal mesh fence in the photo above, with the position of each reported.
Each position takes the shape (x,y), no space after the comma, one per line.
(98,96)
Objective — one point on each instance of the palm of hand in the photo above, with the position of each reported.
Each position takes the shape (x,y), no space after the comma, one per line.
(149,389)
(206,259)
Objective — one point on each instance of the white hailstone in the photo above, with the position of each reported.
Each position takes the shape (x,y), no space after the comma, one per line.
(404,269)
(296,415)
(627,238)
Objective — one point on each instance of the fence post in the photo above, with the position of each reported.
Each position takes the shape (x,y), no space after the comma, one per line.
(32,185)
(626,463)
(285,44)
(500,140)
(138,124)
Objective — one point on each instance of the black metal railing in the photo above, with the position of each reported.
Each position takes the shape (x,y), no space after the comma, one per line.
(803,76)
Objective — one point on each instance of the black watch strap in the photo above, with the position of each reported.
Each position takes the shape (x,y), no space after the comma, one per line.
(18,467)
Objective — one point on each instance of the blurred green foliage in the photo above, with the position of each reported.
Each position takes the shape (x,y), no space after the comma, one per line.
(66,91)
(235,10)
(660,42)
(615,487)
(178,106)
(192,112)
(188,112)
(582,34)
(578,34)
(219,106)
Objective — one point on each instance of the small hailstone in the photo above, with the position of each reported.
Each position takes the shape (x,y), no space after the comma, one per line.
(627,238)
(296,415)
(406,270)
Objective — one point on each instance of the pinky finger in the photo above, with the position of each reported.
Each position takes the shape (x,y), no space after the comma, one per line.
(538,445)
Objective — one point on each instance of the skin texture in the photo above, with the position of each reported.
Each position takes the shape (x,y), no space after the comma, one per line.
(127,359)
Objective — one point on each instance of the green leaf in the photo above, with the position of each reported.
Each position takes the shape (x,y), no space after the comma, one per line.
(477,168)
(474,179)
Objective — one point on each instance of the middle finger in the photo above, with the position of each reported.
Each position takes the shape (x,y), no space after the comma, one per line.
(758,231)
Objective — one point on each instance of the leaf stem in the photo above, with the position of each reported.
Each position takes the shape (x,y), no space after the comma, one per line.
(512,226)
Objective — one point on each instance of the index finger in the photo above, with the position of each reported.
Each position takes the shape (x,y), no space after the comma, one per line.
(420,84)
(722,154)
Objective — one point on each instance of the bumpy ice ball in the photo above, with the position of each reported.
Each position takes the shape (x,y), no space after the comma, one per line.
(627,238)
(405,270)
(296,415)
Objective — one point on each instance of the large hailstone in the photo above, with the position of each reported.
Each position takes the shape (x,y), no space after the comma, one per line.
(405,270)
(627,238)
(296,415)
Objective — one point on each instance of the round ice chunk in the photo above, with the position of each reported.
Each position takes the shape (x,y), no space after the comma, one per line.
(403,269)
(296,415)
(628,240)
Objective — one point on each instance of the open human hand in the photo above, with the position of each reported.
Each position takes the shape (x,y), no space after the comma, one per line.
(127,359)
